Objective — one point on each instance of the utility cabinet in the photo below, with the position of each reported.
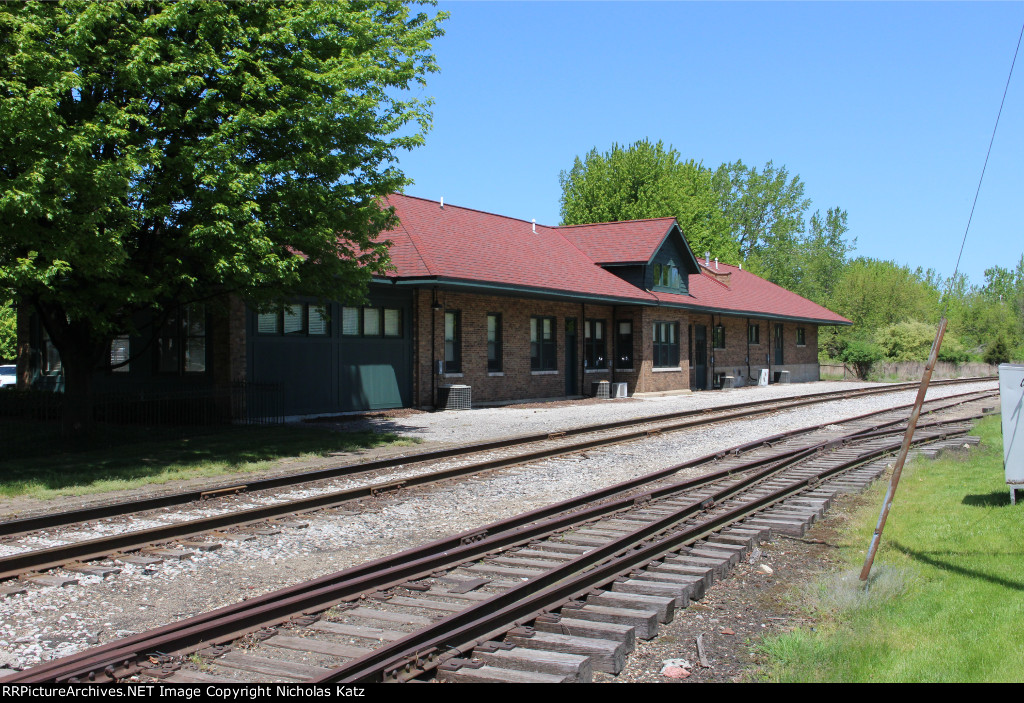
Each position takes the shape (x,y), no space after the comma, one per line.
(455,397)
(1011,400)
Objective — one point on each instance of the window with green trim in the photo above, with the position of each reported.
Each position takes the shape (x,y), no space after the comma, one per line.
(494,350)
(294,320)
(594,344)
(371,322)
(181,344)
(624,344)
(452,341)
(543,344)
(718,335)
(666,344)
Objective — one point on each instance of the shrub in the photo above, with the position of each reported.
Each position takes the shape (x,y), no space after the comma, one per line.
(906,341)
(862,354)
(953,351)
(998,351)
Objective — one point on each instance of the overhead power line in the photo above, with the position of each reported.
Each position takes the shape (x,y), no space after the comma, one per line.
(988,153)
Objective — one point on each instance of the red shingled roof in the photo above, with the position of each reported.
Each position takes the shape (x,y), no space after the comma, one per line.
(750,294)
(460,244)
(469,245)
(634,241)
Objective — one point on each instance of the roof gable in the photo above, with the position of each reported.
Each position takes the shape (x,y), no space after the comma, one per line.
(674,237)
(631,242)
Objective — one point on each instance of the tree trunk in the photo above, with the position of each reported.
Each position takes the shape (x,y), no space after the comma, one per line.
(81,356)
(77,417)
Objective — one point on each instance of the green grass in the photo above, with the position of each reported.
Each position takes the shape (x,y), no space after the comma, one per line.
(946,597)
(122,458)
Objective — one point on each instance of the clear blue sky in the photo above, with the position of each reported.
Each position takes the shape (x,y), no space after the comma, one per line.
(884,109)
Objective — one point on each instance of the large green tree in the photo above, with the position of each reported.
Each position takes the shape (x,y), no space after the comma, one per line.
(153,154)
(821,255)
(765,215)
(873,293)
(992,310)
(647,180)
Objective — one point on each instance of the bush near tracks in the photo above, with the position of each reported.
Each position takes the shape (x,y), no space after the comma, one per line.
(945,598)
(123,458)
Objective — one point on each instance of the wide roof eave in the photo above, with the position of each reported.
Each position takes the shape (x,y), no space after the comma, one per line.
(505,288)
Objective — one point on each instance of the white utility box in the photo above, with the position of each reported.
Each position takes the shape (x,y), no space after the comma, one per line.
(1011,401)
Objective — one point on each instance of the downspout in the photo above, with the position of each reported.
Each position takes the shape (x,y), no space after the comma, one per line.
(582,357)
(712,352)
(748,350)
(433,352)
(612,340)
(768,356)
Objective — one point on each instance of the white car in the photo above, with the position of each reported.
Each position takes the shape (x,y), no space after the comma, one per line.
(8,376)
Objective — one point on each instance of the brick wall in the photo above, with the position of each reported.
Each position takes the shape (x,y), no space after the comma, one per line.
(653,380)
(732,360)
(228,342)
(516,380)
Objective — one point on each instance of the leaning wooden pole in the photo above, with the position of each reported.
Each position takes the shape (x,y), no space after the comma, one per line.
(904,450)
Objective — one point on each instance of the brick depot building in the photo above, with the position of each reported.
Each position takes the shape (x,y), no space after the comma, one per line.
(511,309)
(517,310)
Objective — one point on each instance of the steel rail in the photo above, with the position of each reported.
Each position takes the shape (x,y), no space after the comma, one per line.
(225,623)
(230,621)
(109,545)
(482,621)
(51,520)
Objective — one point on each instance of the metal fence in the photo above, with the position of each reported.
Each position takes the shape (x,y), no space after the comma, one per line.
(240,403)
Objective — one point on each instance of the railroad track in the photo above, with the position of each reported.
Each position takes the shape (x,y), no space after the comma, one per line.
(75,539)
(607,567)
(643,426)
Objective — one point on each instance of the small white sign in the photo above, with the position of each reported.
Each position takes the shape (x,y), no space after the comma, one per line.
(762,380)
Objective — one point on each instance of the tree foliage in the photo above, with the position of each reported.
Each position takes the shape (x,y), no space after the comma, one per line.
(822,255)
(764,211)
(743,214)
(873,293)
(906,341)
(646,180)
(8,331)
(153,154)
